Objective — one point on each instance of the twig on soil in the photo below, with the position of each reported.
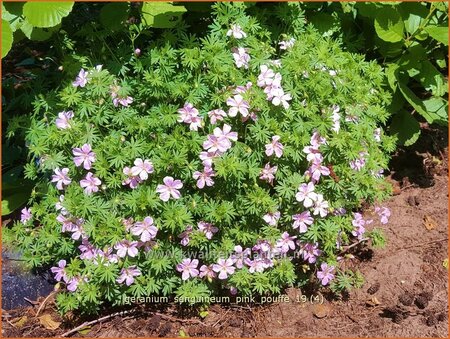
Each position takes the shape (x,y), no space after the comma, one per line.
(221,318)
(34,303)
(43,303)
(422,244)
(353,245)
(93,322)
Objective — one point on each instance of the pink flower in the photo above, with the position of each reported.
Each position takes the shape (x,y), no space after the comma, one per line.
(302,221)
(207,271)
(61,178)
(88,251)
(72,284)
(275,147)
(214,144)
(272,218)
(320,206)
(68,224)
(377,134)
(237,32)
(256,265)
(170,188)
(241,58)
(77,229)
(240,255)
(317,170)
(207,157)
(243,89)
(326,273)
(204,178)
(63,119)
(286,242)
(145,229)
(216,115)
(279,97)
(25,215)
(188,268)
(284,45)
(313,153)
(225,133)
(310,252)
(81,79)
(224,267)
(128,274)
(317,140)
(359,163)
(84,155)
(142,168)
(90,183)
(208,229)
(187,112)
(306,194)
(60,207)
(237,105)
(384,213)
(336,119)
(137,52)
(132,181)
(126,247)
(265,77)
(267,173)
(185,235)
(59,271)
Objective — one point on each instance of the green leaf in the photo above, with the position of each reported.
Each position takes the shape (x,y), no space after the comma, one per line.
(11,12)
(324,23)
(46,14)
(406,127)
(112,15)
(439,33)
(413,14)
(391,73)
(36,33)
(162,14)
(15,190)
(7,37)
(431,79)
(389,25)
(438,107)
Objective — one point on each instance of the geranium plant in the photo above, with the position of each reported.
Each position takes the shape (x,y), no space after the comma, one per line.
(235,162)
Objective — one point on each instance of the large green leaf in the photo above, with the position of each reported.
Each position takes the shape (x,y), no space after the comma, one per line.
(413,14)
(112,15)
(162,14)
(406,127)
(15,190)
(36,33)
(389,25)
(46,14)
(7,37)
(12,12)
(439,108)
(439,33)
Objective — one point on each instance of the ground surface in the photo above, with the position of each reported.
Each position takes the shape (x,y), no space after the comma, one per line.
(405,294)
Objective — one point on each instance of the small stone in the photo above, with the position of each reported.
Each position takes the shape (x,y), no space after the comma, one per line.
(374,288)
(321,311)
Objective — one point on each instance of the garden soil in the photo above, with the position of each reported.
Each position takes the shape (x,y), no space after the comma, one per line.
(405,293)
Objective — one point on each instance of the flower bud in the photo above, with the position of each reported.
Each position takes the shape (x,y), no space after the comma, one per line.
(137,52)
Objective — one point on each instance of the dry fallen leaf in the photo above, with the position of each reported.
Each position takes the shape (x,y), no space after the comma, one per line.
(429,223)
(321,311)
(19,322)
(47,321)
(373,302)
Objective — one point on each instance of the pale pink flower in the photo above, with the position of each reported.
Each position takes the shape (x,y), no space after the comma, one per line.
(145,229)
(275,147)
(237,105)
(272,218)
(286,242)
(288,44)
(188,268)
(216,115)
(126,247)
(377,134)
(205,177)
(207,271)
(63,119)
(127,275)
(242,89)
(225,133)
(72,284)
(215,144)
(320,206)
(384,213)
(268,173)
(84,155)
(224,267)
(237,32)
(169,189)
(82,79)
(132,181)
(90,183)
(316,170)
(185,235)
(313,153)
(279,97)
(142,168)
(208,229)
(240,255)
(302,221)
(265,77)
(326,273)
(61,178)
(59,271)
(317,140)
(241,57)
(306,194)
(25,215)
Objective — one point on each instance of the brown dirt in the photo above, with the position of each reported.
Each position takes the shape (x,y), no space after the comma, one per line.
(405,293)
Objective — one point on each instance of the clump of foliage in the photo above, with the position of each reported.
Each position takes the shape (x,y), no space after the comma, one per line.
(229,162)
(409,39)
